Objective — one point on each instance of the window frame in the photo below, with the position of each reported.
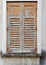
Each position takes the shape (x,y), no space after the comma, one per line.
(4,44)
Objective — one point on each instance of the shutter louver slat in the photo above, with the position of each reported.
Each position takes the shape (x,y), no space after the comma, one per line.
(14,28)
(29,34)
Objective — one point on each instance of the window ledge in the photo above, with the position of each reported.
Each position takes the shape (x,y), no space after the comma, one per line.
(20,55)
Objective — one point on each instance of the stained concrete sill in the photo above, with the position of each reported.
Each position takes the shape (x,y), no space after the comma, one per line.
(12,55)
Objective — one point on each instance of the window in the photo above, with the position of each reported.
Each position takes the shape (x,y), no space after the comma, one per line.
(22,26)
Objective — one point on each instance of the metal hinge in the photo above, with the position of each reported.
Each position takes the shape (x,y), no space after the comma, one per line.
(36,8)
(7,8)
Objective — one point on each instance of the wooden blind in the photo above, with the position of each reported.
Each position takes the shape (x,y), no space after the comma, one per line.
(29,34)
(22,24)
(14,28)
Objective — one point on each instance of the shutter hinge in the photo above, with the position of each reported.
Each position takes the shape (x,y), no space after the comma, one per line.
(36,8)
(7,28)
(7,8)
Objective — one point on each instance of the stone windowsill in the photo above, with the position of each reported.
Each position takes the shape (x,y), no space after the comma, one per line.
(20,55)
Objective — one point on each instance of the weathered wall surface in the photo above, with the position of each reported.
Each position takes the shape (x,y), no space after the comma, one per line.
(1,12)
(19,61)
(43,10)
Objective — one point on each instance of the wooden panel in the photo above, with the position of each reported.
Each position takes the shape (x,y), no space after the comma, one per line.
(14,26)
(30,25)
(29,9)
(14,9)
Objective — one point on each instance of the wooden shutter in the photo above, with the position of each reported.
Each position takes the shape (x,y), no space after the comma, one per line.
(14,27)
(22,26)
(30,25)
